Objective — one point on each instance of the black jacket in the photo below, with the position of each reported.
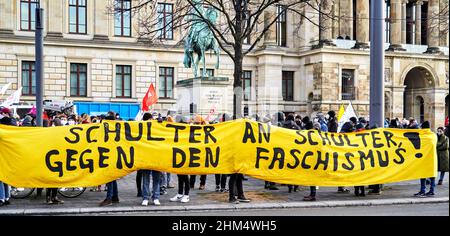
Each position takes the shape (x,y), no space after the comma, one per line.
(289,124)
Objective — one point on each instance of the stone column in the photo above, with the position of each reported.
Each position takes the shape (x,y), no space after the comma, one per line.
(55,18)
(418,23)
(444,25)
(396,26)
(7,17)
(270,37)
(100,20)
(433,27)
(325,23)
(362,24)
(403,20)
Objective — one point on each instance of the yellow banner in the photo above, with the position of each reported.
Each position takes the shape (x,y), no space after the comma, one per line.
(90,155)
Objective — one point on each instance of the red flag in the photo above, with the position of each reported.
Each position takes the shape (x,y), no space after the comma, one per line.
(150,98)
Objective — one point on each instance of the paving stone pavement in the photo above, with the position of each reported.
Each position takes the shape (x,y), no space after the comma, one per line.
(209,199)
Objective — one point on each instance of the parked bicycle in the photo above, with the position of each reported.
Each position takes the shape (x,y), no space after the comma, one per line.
(21,193)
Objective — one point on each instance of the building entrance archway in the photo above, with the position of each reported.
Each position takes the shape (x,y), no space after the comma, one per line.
(418,97)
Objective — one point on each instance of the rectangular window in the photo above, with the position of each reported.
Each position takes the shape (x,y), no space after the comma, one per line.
(288,86)
(28,14)
(28,78)
(78,80)
(348,85)
(424,24)
(77,16)
(122,18)
(410,23)
(247,85)
(282,26)
(165,18)
(123,81)
(209,72)
(166,82)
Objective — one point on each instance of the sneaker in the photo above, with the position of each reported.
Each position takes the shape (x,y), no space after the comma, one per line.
(430,194)
(6,203)
(202,187)
(440,182)
(218,188)
(106,202)
(343,190)
(144,203)
(373,192)
(156,202)
(57,201)
(2,203)
(170,186)
(224,190)
(49,201)
(243,199)
(309,199)
(420,194)
(185,199)
(163,192)
(273,187)
(115,200)
(177,198)
(233,200)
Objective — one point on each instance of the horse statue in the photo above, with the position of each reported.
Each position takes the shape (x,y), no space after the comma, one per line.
(200,39)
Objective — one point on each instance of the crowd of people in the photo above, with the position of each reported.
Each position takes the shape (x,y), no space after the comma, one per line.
(162,181)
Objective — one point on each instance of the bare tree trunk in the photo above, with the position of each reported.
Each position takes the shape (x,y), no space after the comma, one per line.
(237,85)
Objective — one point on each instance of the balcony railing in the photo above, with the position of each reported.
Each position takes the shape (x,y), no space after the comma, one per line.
(348,93)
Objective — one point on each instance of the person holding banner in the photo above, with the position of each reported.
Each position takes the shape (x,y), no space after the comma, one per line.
(198,120)
(423,186)
(112,193)
(4,188)
(183,180)
(348,128)
(51,193)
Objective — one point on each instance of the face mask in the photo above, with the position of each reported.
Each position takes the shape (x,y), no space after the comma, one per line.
(1,116)
(71,122)
(63,122)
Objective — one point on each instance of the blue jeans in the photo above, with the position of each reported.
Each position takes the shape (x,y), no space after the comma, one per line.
(165,179)
(146,184)
(112,192)
(423,186)
(4,192)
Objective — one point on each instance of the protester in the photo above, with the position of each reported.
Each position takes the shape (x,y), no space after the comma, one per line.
(183,180)
(112,194)
(348,127)
(312,189)
(4,188)
(289,123)
(332,122)
(221,179)
(156,175)
(422,192)
(442,151)
(198,120)
(360,190)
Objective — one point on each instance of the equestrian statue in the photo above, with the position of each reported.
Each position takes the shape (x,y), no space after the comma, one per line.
(200,38)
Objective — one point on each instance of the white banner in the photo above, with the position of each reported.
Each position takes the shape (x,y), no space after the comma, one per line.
(13,98)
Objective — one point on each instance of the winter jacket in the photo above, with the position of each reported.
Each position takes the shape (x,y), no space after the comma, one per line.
(442,151)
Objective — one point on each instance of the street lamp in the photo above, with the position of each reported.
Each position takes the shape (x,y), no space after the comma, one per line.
(39,50)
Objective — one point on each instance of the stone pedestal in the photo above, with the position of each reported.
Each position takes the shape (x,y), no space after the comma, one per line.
(202,94)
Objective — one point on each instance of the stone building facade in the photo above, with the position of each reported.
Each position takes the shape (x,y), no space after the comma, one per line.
(90,54)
